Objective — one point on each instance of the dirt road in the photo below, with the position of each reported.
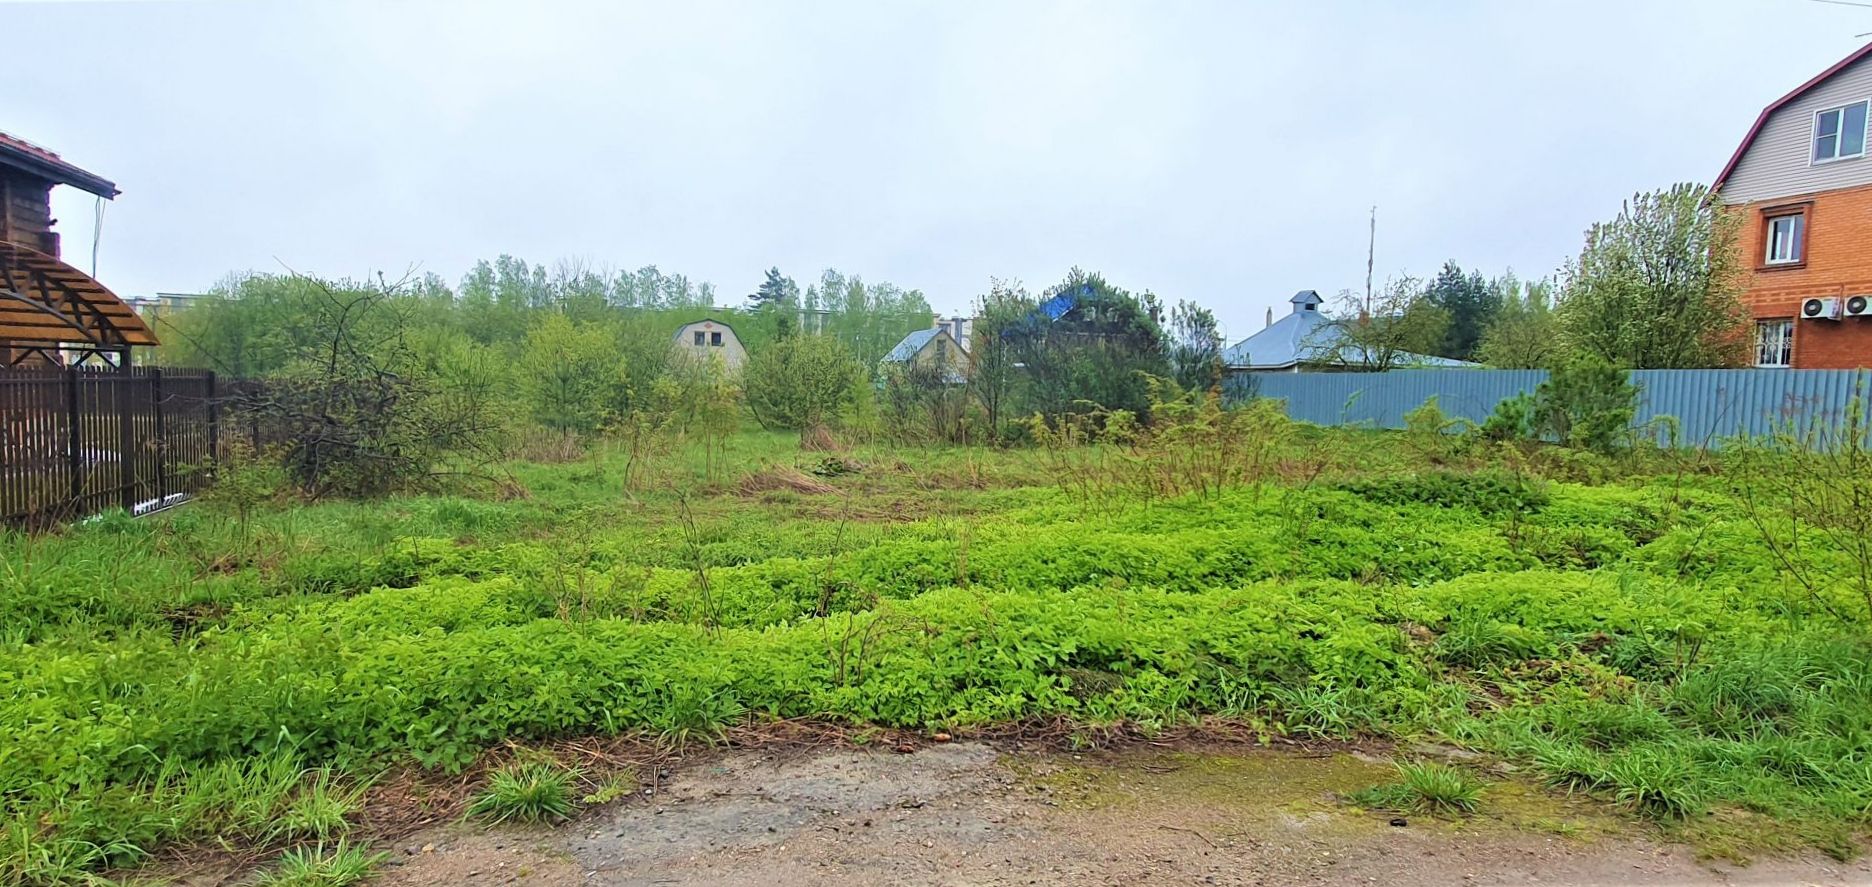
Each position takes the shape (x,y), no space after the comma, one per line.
(968,814)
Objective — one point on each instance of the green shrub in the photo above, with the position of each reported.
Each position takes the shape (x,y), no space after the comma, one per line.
(1586,403)
(1512,419)
(800,382)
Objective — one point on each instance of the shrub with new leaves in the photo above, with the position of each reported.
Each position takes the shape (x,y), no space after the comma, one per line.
(800,382)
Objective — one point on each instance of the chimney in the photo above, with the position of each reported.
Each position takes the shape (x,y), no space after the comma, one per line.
(1270,319)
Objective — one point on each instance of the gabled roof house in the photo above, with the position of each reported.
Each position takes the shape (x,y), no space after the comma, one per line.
(1801,182)
(931,348)
(1306,339)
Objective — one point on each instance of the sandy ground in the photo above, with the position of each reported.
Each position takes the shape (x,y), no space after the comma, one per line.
(968,814)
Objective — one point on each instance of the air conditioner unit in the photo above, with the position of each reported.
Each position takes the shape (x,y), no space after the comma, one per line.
(1859,306)
(1820,309)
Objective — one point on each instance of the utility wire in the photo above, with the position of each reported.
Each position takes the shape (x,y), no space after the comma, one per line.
(97,230)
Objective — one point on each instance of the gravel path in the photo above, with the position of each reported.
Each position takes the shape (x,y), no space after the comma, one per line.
(967,814)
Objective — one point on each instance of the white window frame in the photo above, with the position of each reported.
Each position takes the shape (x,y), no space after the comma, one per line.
(1813,135)
(1798,239)
(1784,345)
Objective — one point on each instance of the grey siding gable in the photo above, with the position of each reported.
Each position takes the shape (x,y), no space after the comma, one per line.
(1780,162)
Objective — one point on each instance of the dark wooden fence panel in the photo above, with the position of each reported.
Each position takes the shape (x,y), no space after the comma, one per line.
(78,441)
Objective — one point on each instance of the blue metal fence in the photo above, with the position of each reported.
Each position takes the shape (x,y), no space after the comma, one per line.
(1708,404)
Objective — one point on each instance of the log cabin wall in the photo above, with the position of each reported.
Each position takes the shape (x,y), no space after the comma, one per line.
(26,212)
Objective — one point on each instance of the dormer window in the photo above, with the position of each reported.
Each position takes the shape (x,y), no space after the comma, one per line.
(1839,133)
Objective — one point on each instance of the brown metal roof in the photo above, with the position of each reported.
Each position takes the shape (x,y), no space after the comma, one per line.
(24,155)
(47,303)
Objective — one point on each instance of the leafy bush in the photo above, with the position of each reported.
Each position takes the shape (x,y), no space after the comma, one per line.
(800,382)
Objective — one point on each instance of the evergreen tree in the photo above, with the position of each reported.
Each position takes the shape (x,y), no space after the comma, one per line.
(777,289)
(1470,301)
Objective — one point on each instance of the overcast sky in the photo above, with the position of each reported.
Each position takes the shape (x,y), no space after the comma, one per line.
(1222,152)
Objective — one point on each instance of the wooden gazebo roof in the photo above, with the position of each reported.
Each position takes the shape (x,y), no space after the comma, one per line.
(45,303)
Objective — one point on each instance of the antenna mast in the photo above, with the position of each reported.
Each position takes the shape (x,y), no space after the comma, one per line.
(1371,253)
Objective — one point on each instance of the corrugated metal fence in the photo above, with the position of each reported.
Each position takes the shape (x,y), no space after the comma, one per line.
(1708,404)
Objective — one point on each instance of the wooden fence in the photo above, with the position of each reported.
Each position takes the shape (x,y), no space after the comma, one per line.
(75,442)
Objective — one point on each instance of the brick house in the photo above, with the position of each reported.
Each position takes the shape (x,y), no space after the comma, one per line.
(1802,181)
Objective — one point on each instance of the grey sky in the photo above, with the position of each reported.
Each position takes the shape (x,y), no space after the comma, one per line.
(1220,152)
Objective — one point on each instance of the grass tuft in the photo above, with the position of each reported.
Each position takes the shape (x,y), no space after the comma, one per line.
(343,865)
(1427,787)
(322,809)
(531,792)
(1655,783)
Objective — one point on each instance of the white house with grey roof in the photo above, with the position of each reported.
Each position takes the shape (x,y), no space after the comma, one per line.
(931,348)
(710,339)
(1306,339)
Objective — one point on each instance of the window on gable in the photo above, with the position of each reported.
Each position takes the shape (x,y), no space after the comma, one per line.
(699,337)
(714,339)
(1774,343)
(1840,133)
(1785,238)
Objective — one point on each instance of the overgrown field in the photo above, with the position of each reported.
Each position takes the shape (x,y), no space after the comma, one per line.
(1616,628)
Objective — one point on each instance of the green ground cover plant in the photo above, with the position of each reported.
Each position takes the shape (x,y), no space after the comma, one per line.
(1621,630)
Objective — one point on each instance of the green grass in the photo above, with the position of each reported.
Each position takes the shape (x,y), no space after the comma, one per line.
(529,792)
(1621,633)
(340,866)
(1425,787)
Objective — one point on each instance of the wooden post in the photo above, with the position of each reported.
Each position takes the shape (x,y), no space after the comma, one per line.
(214,424)
(123,385)
(74,436)
(162,440)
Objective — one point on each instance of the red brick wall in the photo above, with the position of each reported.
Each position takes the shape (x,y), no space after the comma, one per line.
(1839,263)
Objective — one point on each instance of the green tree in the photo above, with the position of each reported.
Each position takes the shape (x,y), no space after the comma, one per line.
(1470,300)
(1195,347)
(800,382)
(1398,328)
(777,289)
(994,375)
(1100,352)
(571,374)
(1524,334)
(1659,286)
